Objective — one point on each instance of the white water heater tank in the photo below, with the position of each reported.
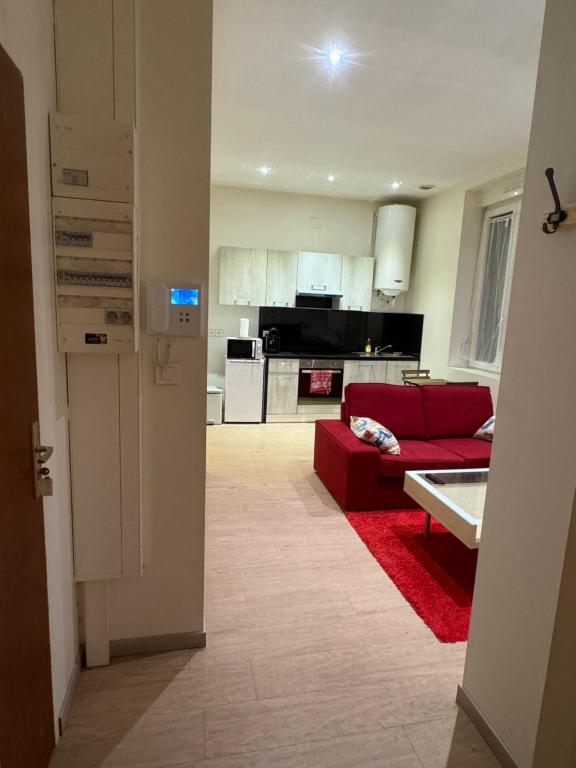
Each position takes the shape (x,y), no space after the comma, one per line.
(393,248)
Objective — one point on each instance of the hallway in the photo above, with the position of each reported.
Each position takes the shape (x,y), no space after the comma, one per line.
(313,660)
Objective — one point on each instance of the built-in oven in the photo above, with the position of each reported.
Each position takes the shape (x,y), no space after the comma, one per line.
(320,379)
(243,348)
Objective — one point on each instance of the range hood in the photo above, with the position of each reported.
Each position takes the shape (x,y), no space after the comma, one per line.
(333,294)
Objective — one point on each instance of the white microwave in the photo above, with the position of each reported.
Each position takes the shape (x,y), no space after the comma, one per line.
(243,348)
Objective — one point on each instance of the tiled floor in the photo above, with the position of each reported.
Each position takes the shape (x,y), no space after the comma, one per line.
(314,659)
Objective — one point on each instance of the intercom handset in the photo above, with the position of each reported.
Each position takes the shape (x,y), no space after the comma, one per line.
(173,309)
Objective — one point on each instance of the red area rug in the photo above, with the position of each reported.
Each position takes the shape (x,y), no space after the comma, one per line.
(435,575)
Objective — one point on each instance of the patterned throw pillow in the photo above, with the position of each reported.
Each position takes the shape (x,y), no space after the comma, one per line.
(372,432)
(486,431)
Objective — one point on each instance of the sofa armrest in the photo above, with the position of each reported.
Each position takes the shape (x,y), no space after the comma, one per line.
(348,467)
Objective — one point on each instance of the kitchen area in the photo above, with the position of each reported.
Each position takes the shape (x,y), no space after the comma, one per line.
(306,325)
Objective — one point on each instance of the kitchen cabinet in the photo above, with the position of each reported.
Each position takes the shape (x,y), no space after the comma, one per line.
(282,393)
(357,273)
(282,386)
(395,368)
(319,273)
(365,371)
(382,371)
(242,276)
(281,276)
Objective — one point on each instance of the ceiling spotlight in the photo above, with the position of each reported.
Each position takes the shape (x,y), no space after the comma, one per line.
(335,57)
(396,184)
(331,178)
(426,187)
(265,170)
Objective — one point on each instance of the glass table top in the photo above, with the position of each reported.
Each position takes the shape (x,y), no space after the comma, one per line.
(463,490)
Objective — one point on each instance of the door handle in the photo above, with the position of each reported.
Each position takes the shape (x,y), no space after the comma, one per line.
(43,453)
(43,483)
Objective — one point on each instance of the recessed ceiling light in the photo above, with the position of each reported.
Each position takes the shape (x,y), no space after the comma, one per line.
(331,178)
(265,170)
(396,184)
(335,56)
(426,187)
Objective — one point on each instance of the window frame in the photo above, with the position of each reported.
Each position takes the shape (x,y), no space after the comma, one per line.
(512,207)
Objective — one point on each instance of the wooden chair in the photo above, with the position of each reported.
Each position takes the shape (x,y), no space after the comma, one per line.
(415,373)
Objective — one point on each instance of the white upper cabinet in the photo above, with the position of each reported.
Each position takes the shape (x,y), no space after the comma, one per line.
(357,272)
(281,278)
(242,276)
(319,273)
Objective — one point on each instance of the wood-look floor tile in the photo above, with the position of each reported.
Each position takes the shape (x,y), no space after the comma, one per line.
(308,717)
(387,748)
(450,743)
(154,741)
(299,607)
(299,614)
(288,675)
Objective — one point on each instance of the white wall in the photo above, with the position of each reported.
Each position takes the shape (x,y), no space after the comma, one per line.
(276,220)
(26,32)
(174,55)
(531,492)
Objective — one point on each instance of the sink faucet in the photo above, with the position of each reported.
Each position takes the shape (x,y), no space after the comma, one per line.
(379,350)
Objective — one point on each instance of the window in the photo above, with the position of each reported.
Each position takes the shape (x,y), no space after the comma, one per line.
(491,292)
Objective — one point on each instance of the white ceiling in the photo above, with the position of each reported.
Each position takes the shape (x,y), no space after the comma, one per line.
(434,92)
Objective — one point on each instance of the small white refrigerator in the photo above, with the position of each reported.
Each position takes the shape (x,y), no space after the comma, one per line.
(244,390)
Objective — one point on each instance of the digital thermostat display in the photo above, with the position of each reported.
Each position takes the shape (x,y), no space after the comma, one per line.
(184,296)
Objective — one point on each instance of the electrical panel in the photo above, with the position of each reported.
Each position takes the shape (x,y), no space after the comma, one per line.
(92,158)
(95,275)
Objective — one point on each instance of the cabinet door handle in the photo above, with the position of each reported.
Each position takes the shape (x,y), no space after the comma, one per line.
(279,303)
(244,302)
(355,306)
(317,287)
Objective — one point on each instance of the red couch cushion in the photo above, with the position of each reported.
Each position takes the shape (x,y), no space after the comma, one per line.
(455,410)
(396,407)
(476,453)
(418,454)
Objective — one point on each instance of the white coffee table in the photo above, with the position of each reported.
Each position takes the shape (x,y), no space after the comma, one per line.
(453,497)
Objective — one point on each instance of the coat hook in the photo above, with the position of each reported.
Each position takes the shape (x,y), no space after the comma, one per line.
(554,219)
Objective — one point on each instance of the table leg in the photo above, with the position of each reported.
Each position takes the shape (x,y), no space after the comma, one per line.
(427,522)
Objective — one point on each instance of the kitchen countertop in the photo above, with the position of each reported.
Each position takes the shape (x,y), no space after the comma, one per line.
(337,356)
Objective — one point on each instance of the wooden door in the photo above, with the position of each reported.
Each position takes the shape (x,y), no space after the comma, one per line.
(26,717)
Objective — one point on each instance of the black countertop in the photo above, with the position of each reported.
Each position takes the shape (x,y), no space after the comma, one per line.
(337,356)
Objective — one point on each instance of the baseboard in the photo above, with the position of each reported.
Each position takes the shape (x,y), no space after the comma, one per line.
(132,646)
(485,730)
(68,695)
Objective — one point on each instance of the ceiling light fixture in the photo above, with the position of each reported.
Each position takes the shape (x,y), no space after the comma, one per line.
(396,184)
(335,57)
(265,170)
(331,178)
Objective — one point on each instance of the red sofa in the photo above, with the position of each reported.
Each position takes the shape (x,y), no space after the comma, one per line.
(434,426)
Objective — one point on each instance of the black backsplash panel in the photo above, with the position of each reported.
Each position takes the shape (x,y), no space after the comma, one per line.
(333,330)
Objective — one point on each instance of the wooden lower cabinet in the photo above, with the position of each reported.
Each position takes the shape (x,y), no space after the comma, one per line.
(282,393)
(365,371)
(395,368)
(373,371)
